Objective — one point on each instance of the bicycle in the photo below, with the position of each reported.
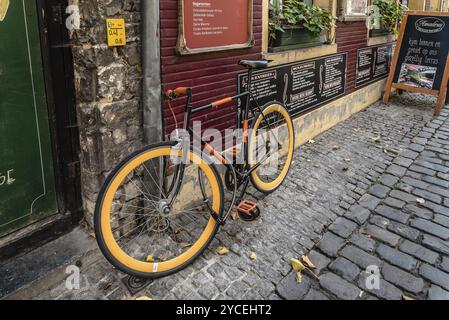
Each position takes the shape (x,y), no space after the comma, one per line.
(160,208)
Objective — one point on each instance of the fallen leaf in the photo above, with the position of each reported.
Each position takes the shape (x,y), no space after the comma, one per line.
(178,230)
(347,159)
(235,214)
(222,251)
(144,298)
(307,262)
(105,286)
(407,298)
(420,200)
(253,256)
(150,258)
(392,151)
(376,138)
(297,265)
(93,235)
(335,147)
(311,141)
(298,277)
(185,245)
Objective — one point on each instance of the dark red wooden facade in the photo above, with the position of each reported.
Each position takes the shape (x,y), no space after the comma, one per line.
(212,76)
(350,37)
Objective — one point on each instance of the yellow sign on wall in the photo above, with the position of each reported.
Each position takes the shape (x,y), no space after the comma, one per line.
(116,32)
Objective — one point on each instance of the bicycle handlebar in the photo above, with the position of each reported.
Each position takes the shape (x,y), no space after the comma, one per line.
(178,92)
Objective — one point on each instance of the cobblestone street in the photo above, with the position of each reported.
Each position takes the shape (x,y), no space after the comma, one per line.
(372,190)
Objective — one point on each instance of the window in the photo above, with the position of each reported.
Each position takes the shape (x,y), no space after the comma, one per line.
(278,3)
(353,10)
(356,7)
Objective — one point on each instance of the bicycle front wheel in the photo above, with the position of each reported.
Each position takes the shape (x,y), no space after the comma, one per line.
(149,220)
(271,142)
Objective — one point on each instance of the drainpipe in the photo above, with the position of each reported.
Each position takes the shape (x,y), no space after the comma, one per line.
(151,56)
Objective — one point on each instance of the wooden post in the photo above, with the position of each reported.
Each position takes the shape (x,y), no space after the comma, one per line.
(442,97)
(447,93)
(394,63)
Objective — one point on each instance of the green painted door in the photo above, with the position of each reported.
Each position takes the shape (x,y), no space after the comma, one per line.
(27,186)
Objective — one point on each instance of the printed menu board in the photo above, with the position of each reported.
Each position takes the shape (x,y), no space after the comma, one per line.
(423,52)
(299,86)
(373,63)
(214,25)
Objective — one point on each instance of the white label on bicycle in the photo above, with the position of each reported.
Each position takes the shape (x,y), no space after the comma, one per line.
(155,267)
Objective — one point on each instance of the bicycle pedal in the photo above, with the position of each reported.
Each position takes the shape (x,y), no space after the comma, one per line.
(248,210)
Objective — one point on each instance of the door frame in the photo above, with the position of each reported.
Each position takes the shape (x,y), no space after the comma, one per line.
(59,79)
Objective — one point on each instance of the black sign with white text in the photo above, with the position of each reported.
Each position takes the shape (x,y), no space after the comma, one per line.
(373,63)
(423,54)
(300,86)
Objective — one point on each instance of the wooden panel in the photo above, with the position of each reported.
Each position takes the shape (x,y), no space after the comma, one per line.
(417,4)
(350,37)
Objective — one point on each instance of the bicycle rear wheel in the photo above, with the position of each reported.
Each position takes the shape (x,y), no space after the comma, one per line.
(271,143)
(142,228)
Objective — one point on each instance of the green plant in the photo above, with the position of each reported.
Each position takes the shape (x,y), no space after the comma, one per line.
(390,14)
(297,13)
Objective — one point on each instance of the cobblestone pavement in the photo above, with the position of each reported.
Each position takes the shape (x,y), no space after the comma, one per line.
(370,191)
(398,230)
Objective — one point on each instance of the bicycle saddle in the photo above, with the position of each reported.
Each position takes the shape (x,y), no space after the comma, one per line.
(254,64)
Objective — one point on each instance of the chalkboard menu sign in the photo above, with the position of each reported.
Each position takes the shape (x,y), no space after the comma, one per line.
(421,63)
(214,25)
(373,63)
(299,86)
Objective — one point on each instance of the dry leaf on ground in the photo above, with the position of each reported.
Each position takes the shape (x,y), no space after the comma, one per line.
(307,262)
(335,147)
(222,251)
(297,265)
(235,214)
(311,141)
(253,256)
(298,277)
(144,298)
(150,258)
(407,298)
(376,138)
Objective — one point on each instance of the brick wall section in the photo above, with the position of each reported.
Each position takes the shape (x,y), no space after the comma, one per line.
(350,37)
(108,91)
(212,76)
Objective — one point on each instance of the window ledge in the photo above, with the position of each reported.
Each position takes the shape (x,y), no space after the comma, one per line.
(352,18)
(373,41)
(300,54)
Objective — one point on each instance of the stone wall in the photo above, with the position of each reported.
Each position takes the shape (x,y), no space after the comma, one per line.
(108,91)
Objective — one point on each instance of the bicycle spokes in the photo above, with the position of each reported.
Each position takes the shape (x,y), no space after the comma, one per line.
(155,214)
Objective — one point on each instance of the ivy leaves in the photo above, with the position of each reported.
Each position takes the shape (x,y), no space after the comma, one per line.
(297,13)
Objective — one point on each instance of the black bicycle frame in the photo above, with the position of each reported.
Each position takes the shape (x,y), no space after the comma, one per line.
(240,172)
